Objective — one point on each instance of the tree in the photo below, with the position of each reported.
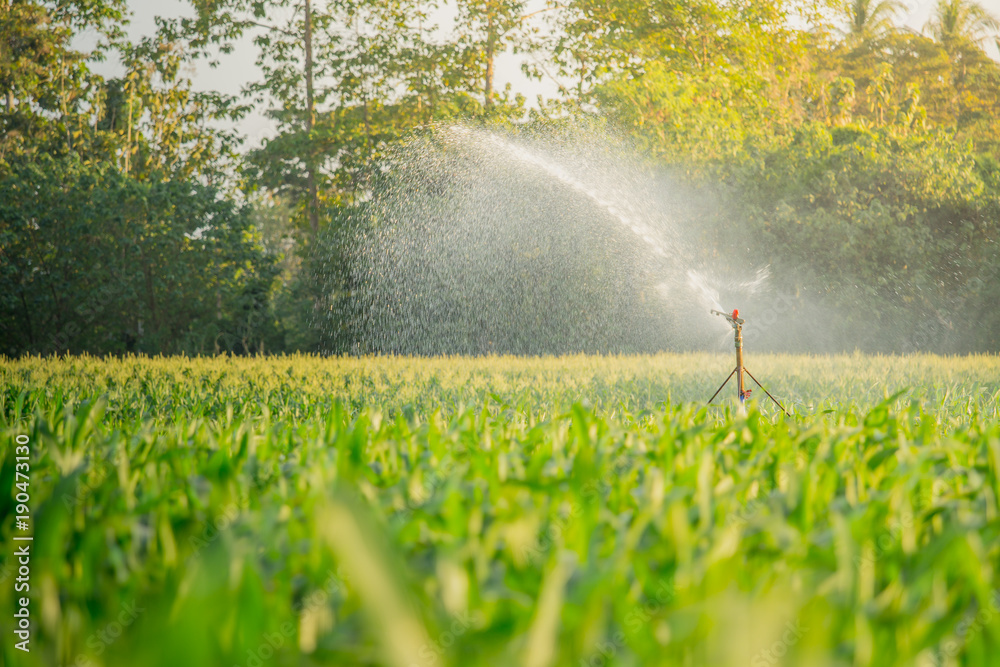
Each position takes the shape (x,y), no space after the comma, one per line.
(891,231)
(150,121)
(342,79)
(286,51)
(167,129)
(486,29)
(92,259)
(116,234)
(37,62)
(960,27)
(46,84)
(957,83)
(955,20)
(871,19)
(695,81)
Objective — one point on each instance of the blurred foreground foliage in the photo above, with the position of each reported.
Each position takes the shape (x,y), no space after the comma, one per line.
(558,511)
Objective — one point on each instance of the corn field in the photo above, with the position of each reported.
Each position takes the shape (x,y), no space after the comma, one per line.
(573,511)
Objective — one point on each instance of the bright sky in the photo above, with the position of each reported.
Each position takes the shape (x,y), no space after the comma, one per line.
(238,68)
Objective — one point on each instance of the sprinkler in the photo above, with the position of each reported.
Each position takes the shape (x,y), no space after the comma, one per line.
(741,392)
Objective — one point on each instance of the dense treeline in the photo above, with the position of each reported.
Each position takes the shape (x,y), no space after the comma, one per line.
(859,158)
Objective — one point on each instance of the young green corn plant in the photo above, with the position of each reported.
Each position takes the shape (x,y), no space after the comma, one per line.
(505,511)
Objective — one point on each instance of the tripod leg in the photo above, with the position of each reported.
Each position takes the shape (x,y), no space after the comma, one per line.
(723,385)
(766,392)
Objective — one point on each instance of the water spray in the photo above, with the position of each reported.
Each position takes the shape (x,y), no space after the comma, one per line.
(741,392)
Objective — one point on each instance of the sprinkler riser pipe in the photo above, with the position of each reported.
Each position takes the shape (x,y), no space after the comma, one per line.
(737,323)
(738,339)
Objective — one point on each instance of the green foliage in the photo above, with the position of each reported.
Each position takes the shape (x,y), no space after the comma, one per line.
(46,85)
(859,175)
(949,85)
(346,80)
(898,231)
(165,128)
(504,511)
(955,20)
(871,19)
(735,95)
(685,118)
(150,122)
(116,235)
(95,260)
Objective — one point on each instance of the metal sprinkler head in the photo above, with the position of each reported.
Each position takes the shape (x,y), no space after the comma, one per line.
(733,318)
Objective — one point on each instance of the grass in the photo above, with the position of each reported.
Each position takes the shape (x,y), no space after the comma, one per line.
(501,511)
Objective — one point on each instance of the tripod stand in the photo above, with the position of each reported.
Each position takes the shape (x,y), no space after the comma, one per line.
(742,394)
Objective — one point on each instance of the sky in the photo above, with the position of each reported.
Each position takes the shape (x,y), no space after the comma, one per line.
(238,68)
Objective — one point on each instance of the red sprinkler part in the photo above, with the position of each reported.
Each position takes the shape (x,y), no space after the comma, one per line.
(736,313)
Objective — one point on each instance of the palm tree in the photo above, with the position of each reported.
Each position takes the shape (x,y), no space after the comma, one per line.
(962,19)
(869,19)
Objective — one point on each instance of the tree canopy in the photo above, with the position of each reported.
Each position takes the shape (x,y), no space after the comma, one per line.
(862,156)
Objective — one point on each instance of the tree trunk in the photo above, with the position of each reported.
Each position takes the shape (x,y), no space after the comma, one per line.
(128,135)
(10,93)
(310,120)
(491,47)
(150,298)
(27,321)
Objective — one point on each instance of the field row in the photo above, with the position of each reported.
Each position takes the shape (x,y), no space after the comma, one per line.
(513,512)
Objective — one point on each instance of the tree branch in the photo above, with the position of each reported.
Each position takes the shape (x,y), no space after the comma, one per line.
(270,27)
